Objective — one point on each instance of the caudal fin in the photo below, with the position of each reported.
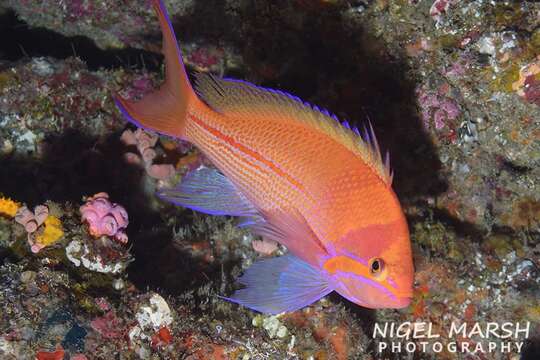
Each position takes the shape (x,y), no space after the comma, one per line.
(165,109)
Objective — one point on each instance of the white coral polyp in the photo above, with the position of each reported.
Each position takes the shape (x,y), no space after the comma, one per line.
(78,254)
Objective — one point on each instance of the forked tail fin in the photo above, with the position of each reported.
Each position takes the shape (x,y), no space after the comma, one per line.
(165,109)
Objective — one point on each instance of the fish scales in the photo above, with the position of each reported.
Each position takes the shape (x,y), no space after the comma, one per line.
(298,176)
(321,186)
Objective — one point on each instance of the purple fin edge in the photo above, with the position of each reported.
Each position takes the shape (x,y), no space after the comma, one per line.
(278,285)
(368,135)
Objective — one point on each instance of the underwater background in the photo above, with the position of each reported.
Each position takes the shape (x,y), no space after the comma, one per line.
(95,266)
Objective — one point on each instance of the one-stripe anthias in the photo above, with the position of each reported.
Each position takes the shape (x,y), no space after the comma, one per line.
(295,175)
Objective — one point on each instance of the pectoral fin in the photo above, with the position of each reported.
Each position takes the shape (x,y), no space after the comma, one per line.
(209,191)
(291,230)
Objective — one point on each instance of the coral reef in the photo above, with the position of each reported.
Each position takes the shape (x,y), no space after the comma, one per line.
(451,88)
(153,322)
(110,25)
(528,84)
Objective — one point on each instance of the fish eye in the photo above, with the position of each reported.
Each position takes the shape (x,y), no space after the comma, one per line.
(376,266)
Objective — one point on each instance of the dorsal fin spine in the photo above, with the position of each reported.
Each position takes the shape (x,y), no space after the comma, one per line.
(242,96)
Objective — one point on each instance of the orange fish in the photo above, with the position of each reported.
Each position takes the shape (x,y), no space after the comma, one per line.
(296,176)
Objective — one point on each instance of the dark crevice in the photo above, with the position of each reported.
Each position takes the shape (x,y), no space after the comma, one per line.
(462,228)
(515,168)
(74,165)
(359,81)
(20,41)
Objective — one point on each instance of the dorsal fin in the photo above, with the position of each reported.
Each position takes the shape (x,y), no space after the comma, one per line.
(240,98)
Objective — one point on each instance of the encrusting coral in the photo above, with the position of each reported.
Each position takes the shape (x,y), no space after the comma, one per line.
(8,207)
(58,354)
(528,84)
(52,232)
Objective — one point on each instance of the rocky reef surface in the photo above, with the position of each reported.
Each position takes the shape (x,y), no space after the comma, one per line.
(94,266)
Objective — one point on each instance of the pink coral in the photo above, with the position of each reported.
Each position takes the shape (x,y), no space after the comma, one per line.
(78,9)
(104,217)
(108,325)
(532,90)
(528,84)
(264,246)
(78,357)
(140,86)
(160,171)
(437,108)
(448,110)
(461,66)
(206,58)
(32,220)
(140,138)
(103,304)
(439,8)
(145,143)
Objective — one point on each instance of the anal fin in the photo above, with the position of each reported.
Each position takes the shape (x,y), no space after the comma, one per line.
(281,284)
